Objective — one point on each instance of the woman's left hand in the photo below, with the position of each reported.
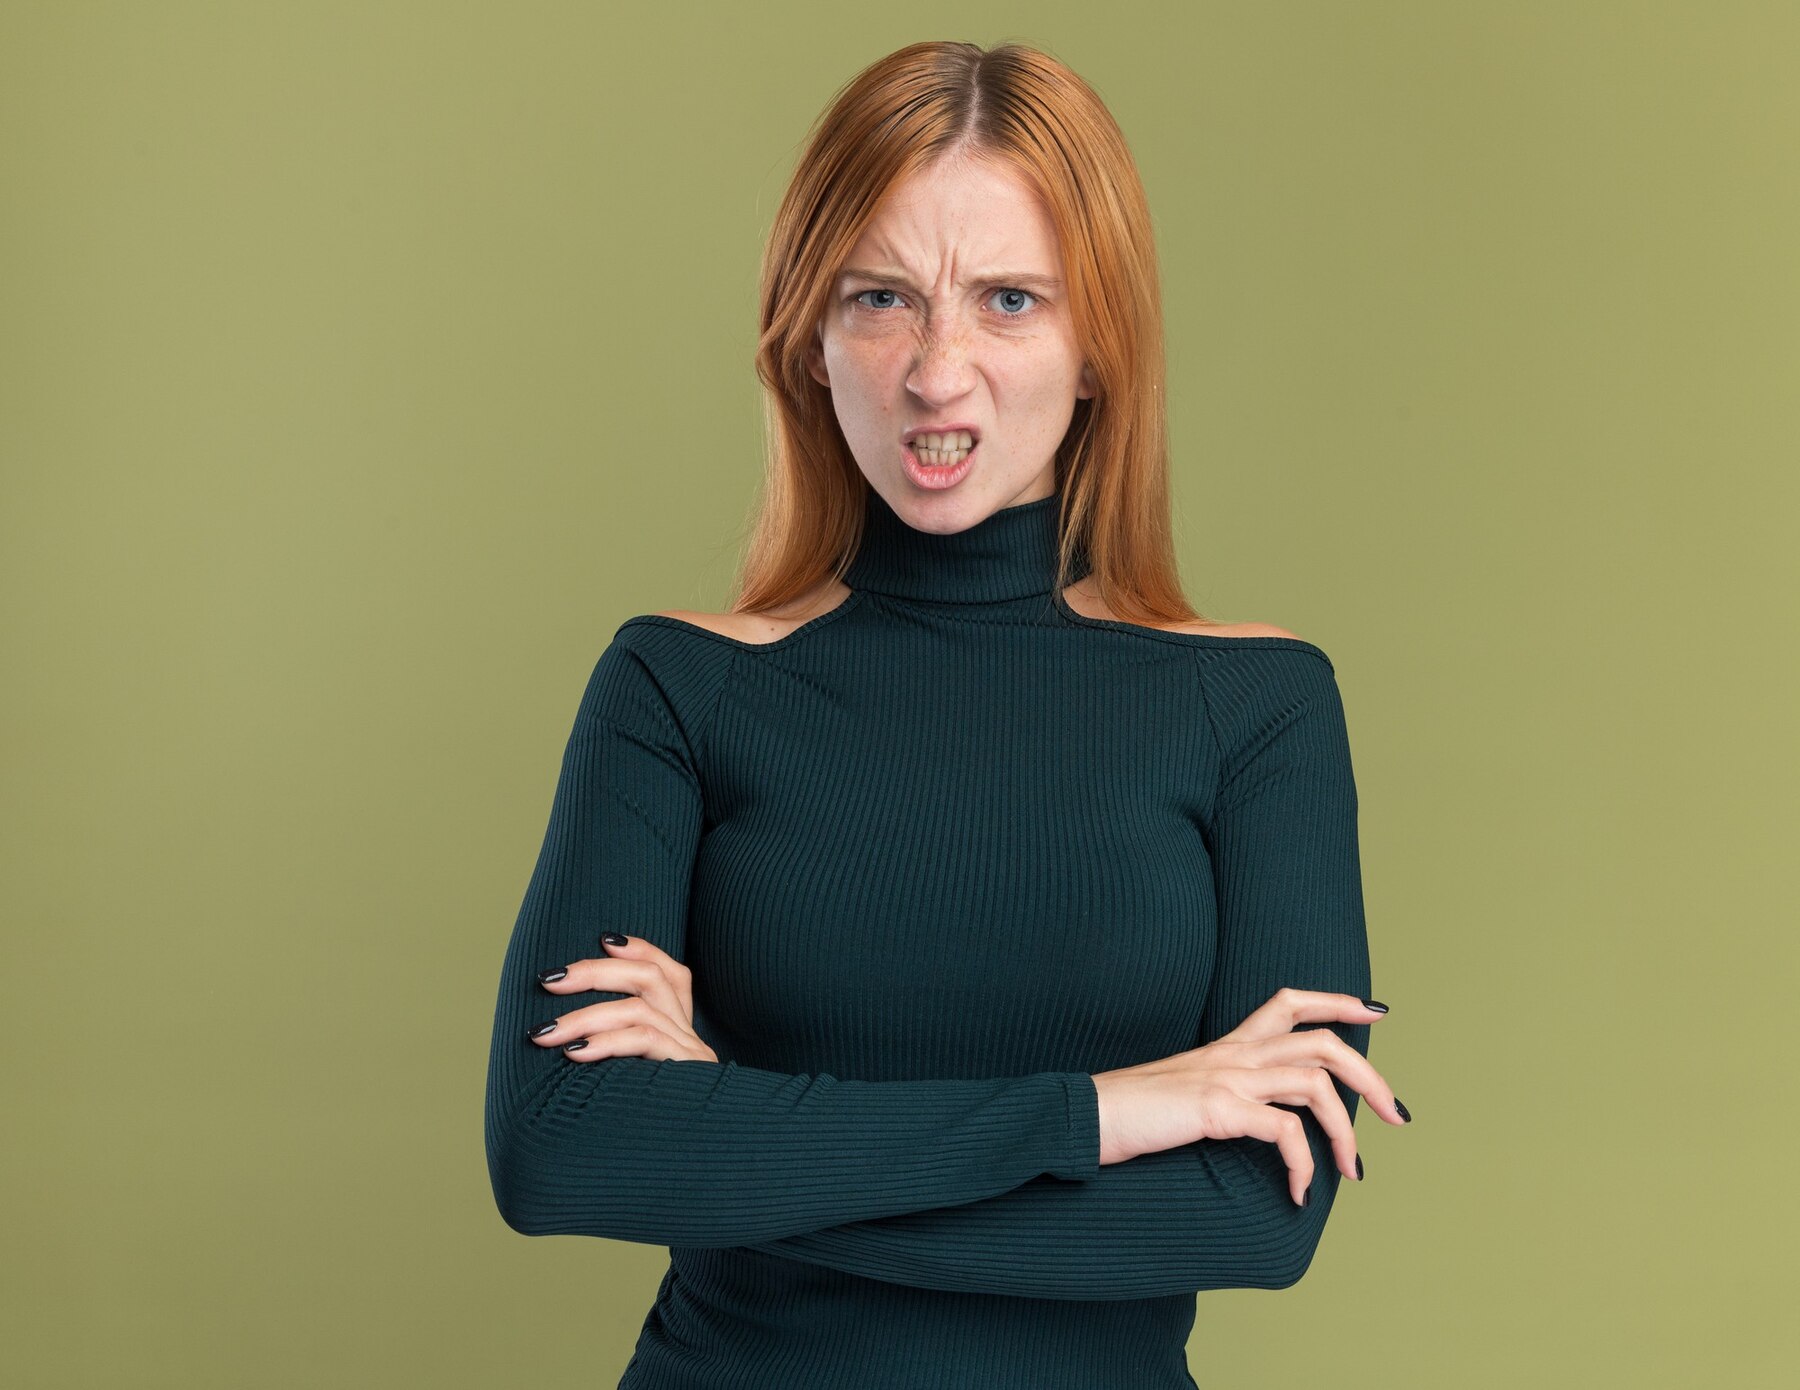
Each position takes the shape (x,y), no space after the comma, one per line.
(657,1023)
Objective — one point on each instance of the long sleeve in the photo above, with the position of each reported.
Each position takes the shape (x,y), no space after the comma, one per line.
(1282,836)
(691,1153)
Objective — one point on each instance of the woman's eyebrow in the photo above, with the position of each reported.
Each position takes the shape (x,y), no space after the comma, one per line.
(988,277)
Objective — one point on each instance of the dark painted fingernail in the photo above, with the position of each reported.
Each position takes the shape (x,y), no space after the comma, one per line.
(1306,1196)
(1375,1004)
(537,1030)
(550,977)
(575,1046)
(1359,1167)
(1405,1114)
(612,938)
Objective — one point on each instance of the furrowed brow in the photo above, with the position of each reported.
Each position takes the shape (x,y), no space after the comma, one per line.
(991,277)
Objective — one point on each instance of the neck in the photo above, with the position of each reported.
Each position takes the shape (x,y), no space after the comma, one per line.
(1010,554)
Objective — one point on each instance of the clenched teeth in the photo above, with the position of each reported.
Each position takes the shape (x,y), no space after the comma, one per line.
(943,450)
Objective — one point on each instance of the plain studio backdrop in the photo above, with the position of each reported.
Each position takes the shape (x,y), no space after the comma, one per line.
(364,365)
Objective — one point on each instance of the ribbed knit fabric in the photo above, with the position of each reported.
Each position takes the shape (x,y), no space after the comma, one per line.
(935,858)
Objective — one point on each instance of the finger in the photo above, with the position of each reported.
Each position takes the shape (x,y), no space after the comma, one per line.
(1325,1048)
(622,947)
(1288,1006)
(620,975)
(611,1016)
(1281,1128)
(1311,1087)
(637,1040)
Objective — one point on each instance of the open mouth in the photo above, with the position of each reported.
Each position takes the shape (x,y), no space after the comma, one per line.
(942,448)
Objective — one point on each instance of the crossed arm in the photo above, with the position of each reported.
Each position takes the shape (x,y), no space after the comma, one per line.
(984,1186)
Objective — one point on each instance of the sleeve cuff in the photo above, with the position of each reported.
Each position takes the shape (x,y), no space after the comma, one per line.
(1081,1161)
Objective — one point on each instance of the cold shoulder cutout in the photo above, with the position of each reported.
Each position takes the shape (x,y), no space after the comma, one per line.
(764,629)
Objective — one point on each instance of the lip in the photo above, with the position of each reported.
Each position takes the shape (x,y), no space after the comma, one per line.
(951,428)
(937,479)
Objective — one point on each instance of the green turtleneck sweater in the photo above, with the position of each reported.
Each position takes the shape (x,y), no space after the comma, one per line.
(934,858)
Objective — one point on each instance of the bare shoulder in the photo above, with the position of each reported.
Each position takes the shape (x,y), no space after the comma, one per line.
(1089,605)
(1202,629)
(762,628)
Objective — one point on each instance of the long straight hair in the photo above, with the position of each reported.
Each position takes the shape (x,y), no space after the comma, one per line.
(898,117)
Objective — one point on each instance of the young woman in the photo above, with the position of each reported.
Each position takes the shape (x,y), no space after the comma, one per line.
(955,952)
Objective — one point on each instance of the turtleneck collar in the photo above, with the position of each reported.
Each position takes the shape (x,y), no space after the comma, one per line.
(1008,555)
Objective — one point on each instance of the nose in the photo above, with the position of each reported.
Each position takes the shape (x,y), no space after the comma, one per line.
(944,363)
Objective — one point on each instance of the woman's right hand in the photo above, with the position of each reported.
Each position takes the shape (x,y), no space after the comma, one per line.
(1224,1090)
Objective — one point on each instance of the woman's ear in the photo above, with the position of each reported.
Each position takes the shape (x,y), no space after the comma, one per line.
(1085,390)
(815,358)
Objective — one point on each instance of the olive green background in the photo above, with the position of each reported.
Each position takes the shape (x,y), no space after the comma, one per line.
(363,365)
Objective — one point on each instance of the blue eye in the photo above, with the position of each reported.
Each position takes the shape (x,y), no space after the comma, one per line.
(1020,313)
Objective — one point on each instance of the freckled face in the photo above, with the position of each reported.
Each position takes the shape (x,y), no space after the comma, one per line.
(951,309)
